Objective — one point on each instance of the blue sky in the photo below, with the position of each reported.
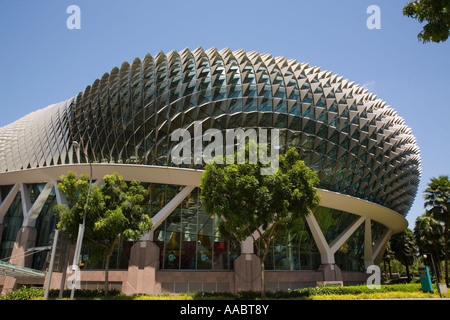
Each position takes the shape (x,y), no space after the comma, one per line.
(43,62)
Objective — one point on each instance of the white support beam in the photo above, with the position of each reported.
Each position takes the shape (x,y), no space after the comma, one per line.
(168,209)
(29,217)
(60,197)
(247,244)
(326,255)
(25,197)
(185,176)
(368,260)
(340,240)
(380,246)
(6,203)
(326,250)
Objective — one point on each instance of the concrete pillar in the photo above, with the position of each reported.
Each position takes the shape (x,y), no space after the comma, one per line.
(368,256)
(247,272)
(331,272)
(247,268)
(26,238)
(142,269)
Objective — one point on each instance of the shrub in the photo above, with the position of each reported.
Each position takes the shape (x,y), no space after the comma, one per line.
(211,295)
(248,295)
(84,293)
(24,293)
(377,295)
(330,292)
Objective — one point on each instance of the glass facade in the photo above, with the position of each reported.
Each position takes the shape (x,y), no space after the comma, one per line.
(298,251)
(294,251)
(119,259)
(350,256)
(356,143)
(333,222)
(12,221)
(349,138)
(45,226)
(189,238)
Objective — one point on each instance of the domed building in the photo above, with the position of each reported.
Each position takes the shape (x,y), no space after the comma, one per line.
(365,155)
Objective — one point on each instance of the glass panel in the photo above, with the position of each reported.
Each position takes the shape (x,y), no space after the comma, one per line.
(189,238)
(295,250)
(333,222)
(4,190)
(350,257)
(11,224)
(189,231)
(157,198)
(220,260)
(205,240)
(172,240)
(45,226)
(377,231)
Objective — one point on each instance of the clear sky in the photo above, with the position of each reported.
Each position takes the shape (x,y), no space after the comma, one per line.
(43,62)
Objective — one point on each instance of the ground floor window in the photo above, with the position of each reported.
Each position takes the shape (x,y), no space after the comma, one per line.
(11,224)
(189,239)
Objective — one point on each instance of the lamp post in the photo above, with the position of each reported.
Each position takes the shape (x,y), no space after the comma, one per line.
(435,273)
(76,257)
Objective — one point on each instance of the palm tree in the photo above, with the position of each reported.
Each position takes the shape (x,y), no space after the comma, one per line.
(387,257)
(404,248)
(437,198)
(428,235)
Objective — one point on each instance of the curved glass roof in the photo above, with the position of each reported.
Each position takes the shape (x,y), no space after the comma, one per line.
(358,145)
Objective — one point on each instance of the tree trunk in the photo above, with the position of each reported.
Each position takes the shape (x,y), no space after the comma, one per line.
(263,280)
(108,257)
(407,269)
(437,264)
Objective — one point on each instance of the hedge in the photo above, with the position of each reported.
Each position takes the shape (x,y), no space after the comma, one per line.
(303,293)
(25,293)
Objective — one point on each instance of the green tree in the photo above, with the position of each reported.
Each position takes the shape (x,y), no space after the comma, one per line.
(404,248)
(437,199)
(388,256)
(249,201)
(437,15)
(113,209)
(428,233)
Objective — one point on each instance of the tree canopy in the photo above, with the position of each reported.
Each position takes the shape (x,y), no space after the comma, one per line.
(437,199)
(428,233)
(114,209)
(404,248)
(437,15)
(250,202)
